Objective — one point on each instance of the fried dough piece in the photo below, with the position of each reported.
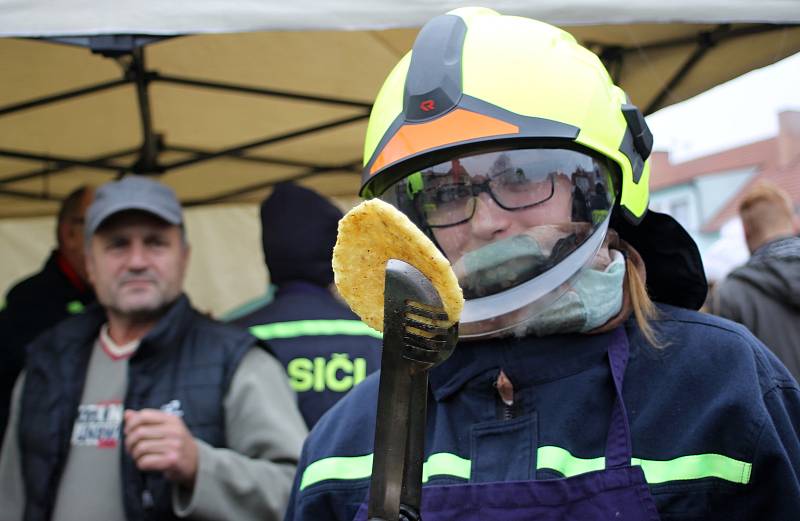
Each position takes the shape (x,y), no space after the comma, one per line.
(369,235)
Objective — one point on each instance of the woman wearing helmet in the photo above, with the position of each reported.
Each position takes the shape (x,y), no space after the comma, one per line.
(570,394)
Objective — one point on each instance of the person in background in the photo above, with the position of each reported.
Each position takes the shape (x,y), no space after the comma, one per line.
(584,384)
(764,294)
(141,407)
(325,348)
(58,290)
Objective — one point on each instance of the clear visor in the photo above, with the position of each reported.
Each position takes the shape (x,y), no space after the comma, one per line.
(516,225)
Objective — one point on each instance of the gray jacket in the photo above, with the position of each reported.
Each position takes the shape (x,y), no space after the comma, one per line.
(764,295)
(248,481)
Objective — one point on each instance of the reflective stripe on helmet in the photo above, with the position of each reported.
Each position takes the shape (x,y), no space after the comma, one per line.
(455,126)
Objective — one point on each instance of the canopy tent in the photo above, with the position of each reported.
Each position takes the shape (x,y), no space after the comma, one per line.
(264,91)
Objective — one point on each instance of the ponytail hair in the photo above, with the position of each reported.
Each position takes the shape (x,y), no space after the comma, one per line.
(644,310)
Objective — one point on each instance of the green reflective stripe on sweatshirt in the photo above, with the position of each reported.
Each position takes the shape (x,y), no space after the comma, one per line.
(560,460)
(696,466)
(446,464)
(353,467)
(298,328)
(360,467)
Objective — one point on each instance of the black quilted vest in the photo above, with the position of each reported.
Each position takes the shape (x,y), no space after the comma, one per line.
(185,357)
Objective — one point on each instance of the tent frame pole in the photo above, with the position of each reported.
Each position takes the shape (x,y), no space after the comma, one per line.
(147,163)
(179,80)
(136,73)
(613,57)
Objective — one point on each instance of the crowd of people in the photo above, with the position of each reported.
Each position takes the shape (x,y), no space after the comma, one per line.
(585,384)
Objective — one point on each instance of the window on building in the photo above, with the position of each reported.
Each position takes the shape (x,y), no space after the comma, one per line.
(679,209)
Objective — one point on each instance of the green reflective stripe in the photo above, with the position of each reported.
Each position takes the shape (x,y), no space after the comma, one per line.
(354,467)
(360,467)
(313,328)
(74,307)
(445,464)
(696,466)
(560,460)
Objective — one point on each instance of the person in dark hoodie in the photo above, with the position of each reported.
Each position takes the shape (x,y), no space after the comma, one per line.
(764,294)
(325,348)
(60,289)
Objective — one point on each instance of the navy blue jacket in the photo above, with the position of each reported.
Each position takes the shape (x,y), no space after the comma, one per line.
(714,419)
(324,347)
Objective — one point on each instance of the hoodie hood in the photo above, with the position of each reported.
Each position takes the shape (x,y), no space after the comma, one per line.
(775,269)
(298,232)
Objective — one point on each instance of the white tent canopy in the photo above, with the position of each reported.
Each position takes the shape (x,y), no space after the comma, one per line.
(221,99)
(82,17)
(284,90)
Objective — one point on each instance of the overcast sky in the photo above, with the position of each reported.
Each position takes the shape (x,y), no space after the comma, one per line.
(741,111)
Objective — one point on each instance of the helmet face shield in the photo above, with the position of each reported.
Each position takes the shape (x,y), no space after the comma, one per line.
(516,225)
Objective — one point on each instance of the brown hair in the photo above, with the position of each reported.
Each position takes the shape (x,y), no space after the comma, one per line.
(768,191)
(644,311)
(635,300)
(70,209)
(766,212)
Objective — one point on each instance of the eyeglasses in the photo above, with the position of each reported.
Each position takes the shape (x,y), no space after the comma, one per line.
(454,203)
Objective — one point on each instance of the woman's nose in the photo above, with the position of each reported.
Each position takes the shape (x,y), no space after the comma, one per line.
(489,219)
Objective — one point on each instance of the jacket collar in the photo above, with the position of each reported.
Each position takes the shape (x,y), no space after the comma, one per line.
(524,360)
(165,335)
(168,331)
(68,271)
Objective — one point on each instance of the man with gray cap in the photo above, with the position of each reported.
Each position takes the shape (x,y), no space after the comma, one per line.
(141,407)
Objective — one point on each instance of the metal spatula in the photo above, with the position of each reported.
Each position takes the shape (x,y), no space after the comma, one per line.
(414,341)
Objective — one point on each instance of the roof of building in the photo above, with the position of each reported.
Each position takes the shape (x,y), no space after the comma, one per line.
(776,159)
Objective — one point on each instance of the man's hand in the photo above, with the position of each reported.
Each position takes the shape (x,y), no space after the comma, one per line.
(159,441)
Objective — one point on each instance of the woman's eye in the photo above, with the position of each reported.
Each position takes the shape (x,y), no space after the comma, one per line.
(448,194)
(512,178)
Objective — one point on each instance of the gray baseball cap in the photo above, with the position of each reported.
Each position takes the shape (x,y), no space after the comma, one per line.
(132,193)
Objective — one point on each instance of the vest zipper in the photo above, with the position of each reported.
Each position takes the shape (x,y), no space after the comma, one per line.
(147,499)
